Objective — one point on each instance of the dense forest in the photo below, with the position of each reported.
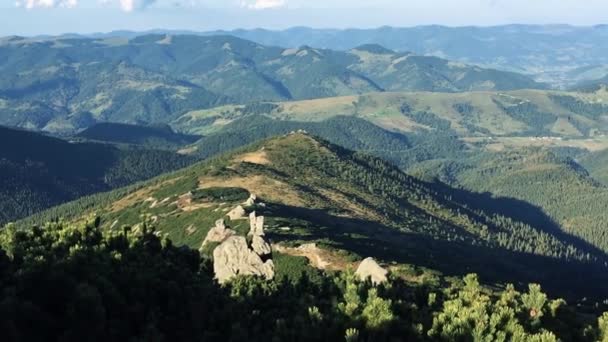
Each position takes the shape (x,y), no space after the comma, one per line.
(45,171)
(78,282)
(153,137)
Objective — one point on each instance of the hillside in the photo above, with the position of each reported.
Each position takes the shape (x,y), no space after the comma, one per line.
(351,202)
(351,132)
(149,136)
(574,201)
(155,78)
(524,113)
(408,72)
(38,172)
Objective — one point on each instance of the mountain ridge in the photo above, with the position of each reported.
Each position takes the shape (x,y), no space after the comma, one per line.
(344,199)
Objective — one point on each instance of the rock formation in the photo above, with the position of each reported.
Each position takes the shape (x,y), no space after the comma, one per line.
(369,268)
(260,246)
(256,225)
(219,233)
(236,213)
(234,257)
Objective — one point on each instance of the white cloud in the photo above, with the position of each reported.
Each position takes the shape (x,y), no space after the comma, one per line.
(263,4)
(29,4)
(128,5)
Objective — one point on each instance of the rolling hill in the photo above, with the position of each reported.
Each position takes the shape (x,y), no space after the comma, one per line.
(156,78)
(38,172)
(313,191)
(523,113)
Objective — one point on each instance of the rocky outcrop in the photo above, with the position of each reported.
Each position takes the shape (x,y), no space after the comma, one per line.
(260,246)
(369,268)
(236,213)
(234,257)
(219,233)
(250,201)
(256,225)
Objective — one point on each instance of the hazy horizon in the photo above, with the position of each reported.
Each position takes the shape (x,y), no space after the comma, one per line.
(52,17)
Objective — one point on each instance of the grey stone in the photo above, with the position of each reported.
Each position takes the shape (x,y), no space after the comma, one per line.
(260,246)
(219,233)
(256,225)
(233,257)
(369,268)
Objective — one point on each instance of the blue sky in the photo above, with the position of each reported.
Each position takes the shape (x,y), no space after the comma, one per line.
(31,17)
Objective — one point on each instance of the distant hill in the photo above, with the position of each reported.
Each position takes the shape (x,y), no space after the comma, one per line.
(523,113)
(354,203)
(37,171)
(405,71)
(67,84)
(150,136)
(550,51)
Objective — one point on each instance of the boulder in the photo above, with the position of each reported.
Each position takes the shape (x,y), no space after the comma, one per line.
(234,257)
(369,268)
(219,233)
(260,246)
(236,213)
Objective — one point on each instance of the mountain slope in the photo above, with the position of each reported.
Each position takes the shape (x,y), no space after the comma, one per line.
(523,113)
(351,202)
(148,136)
(405,71)
(37,172)
(561,187)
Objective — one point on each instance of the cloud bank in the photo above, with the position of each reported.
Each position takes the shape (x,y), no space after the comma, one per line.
(131,5)
(30,4)
(263,4)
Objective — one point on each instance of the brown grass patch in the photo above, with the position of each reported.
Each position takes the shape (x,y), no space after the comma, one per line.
(258,157)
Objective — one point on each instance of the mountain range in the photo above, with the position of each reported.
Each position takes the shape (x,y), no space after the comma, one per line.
(563,55)
(155,78)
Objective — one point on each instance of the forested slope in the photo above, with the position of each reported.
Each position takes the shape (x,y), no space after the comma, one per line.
(37,171)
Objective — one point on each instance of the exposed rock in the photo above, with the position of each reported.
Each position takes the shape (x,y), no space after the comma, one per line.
(369,268)
(233,257)
(237,213)
(256,225)
(250,201)
(219,233)
(260,246)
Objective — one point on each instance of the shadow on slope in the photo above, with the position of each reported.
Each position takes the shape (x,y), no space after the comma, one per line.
(453,258)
